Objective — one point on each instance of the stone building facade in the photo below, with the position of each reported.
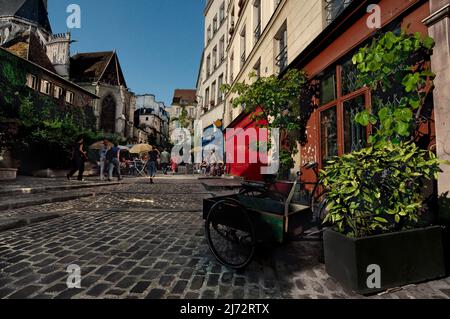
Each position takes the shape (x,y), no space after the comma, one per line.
(213,67)
(152,117)
(101,74)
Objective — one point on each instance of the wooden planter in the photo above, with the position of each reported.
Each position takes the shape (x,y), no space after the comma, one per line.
(8,174)
(404,258)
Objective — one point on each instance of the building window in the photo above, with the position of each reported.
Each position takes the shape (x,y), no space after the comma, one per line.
(329,134)
(222,49)
(339,133)
(57,92)
(208,34)
(257,20)
(214,57)
(232,67)
(276,3)
(355,135)
(220,96)
(213,94)
(70,97)
(45,87)
(215,24)
(257,69)
(222,13)
(208,65)
(206,106)
(243,46)
(281,61)
(328,87)
(232,18)
(32,82)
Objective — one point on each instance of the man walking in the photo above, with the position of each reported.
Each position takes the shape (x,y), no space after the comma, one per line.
(113,157)
(102,154)
(79,157)
(152,162)
(165,161)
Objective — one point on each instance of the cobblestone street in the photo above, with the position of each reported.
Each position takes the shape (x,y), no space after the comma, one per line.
(137,240)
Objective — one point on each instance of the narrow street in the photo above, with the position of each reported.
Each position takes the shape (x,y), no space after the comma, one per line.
(135,240)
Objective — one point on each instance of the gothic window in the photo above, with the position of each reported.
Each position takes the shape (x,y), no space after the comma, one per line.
(108,115)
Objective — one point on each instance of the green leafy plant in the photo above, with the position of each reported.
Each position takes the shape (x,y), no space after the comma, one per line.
(278,98)
(396,69)
(378,189)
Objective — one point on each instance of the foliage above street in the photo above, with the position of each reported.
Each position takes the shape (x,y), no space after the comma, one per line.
(279,101)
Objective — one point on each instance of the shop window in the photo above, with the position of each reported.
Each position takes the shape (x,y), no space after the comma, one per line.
(328,92)
(329,134)
(349,77)
(355,135)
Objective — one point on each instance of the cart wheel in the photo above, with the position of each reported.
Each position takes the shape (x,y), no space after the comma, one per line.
(230,234)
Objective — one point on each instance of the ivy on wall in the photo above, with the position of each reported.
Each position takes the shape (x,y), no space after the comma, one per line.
(47,128)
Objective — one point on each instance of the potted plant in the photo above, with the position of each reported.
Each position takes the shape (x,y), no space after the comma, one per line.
(375,209)
(378,237)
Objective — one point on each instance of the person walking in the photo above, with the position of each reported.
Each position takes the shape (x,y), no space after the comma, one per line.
(79,157)
(113,157)
(165,161)
(152,162)
(102,153)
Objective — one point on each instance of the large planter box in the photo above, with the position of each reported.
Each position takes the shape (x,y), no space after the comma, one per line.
(8,174)
(403,258)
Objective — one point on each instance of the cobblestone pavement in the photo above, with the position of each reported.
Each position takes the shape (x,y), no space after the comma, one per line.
(147,241)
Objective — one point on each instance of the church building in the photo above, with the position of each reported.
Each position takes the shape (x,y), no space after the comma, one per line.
(25,31)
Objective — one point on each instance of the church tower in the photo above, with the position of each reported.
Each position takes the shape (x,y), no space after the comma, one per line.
(58,51)
(19,16)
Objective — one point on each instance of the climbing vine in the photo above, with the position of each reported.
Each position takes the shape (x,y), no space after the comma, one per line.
(396,69)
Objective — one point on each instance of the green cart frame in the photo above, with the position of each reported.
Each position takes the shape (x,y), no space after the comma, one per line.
(260,212)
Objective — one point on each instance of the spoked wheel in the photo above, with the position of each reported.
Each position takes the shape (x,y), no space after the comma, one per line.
(231,234)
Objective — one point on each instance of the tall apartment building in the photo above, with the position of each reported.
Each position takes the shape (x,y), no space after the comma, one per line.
(213,68)
(266,35)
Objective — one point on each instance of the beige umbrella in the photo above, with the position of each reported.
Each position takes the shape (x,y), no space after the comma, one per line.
(99,145)
(141,148)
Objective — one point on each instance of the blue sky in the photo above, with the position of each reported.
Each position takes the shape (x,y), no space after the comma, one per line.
(159,42)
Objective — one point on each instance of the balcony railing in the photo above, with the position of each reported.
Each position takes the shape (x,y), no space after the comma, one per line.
(243,58)
(282,58)
(334,8)
(257,32)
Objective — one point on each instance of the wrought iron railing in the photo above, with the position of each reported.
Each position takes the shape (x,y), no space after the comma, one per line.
(334,8)
(257,32)
(281,59)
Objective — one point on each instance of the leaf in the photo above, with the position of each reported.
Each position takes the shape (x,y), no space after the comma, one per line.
(402,129)
(428,42)
(363,118)
(403,114)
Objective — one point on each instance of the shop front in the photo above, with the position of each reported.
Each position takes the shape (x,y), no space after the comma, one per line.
(331,130)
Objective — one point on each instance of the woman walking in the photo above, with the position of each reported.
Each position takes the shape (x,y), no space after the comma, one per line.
(79,157)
